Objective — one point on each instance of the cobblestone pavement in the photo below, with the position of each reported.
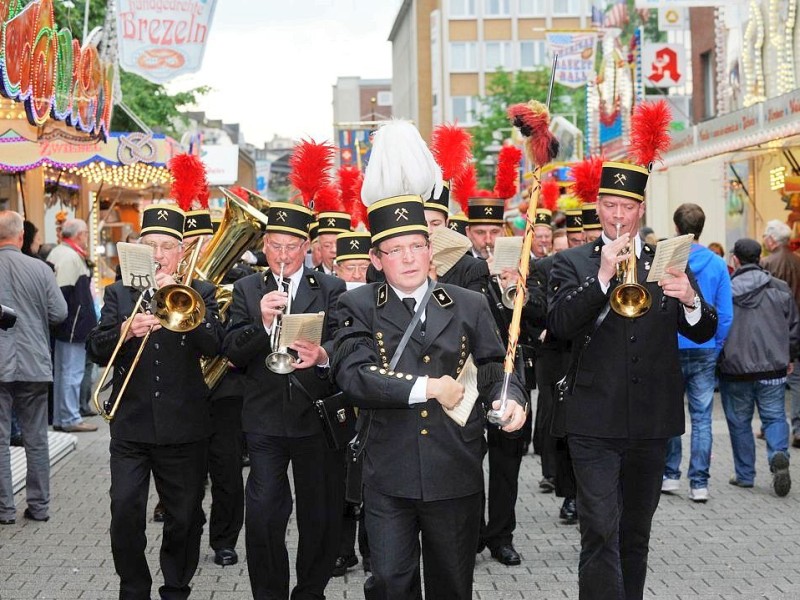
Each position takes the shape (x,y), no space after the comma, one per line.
(742,544)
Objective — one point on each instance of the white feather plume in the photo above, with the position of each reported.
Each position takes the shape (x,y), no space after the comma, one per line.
(400,163)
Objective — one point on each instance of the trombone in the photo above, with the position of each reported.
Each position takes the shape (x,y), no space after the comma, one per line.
(280,361)
(630,298)
(178,308)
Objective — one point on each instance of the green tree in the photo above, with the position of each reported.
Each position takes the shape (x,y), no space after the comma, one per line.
(504,89)
(152,103)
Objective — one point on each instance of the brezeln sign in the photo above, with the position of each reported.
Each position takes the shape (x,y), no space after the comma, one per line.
(47,69)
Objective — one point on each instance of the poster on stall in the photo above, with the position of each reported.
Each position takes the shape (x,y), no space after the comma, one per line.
(576,56)
(162,40)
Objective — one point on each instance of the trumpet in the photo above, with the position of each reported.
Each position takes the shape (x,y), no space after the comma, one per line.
(280,361)
(630,298)
(509,292)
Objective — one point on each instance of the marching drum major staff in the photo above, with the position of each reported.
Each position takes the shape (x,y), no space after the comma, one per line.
(163,423)
(279,419)
(625,398)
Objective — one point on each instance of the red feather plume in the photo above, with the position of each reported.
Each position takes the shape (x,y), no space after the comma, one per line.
(310,165)
(451,147)
(204,196)
(586,175)
(549,195)
(650,132)
(240,192)
(533,121)
(465,186)
(505,185)
(350,181)
(328,199)
(188,180)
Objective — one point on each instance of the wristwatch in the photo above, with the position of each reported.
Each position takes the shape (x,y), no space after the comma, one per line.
(695,303)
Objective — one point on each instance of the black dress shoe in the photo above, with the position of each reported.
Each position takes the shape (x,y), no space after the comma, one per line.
(159,513)
(547,485)
(225,557)
(30,516)
(342,564)
(569,512)
(8,521)
(506,555)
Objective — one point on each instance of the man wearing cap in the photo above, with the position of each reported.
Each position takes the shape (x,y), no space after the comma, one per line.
(278,416)
(422,471)
(624,393)
(591,222)
(763,340)
(163,422)
(575,235)
(331,224)
(542,244)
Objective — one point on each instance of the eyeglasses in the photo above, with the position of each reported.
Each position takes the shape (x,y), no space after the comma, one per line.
(399,252)
(289,248)
(354,268)
(166,247)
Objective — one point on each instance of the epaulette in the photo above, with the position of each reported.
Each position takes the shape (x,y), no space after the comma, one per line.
(382,296)
(442,297)
(313,283)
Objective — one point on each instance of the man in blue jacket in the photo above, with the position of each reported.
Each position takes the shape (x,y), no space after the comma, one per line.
(698,361)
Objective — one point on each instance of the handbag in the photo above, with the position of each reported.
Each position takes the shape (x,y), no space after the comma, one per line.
(337,420)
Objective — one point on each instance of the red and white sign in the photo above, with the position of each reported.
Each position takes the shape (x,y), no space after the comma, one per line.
(160,40)
(664,65)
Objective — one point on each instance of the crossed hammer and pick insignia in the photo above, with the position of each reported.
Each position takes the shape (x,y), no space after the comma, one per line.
(402,213)
(281,216)
(487,210)
(620,178)
(331,222)
(192,222)
(163,215)
(578,221)
(353,244)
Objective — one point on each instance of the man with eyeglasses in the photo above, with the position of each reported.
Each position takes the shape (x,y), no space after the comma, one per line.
(163,421)
(331,224)
(422,473)
(278,415)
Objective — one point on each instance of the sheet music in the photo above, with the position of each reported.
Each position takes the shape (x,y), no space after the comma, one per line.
(448,248)
(137,265)
(469,379)
(301,326)
(507,251)
(672,252)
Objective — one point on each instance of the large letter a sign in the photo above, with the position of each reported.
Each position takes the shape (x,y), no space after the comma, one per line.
(664,65)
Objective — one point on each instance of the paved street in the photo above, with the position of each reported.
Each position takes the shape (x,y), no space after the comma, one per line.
(742,544)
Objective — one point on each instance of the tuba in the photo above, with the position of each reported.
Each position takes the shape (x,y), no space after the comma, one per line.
(280,361)
(630,298)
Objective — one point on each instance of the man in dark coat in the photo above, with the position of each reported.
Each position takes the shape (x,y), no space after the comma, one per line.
(625,396)
(163,422)
(278,416)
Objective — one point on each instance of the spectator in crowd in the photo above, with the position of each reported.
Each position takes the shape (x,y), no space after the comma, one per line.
(762,342)
(699,361)
(30,289)
(785,264)
(649,235)
(717,249)
(32,240)
(71,264)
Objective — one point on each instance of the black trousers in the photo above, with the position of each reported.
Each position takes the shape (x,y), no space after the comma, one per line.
(619,485)
(179,473)
(352,521)
(318,475)
(549,369)
(449,531)
(225,469)
(566,487)
(505,458)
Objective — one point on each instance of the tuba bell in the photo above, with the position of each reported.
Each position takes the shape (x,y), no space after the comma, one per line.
(630,298)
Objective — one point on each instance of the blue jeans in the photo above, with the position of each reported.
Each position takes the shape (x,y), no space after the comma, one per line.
(68,365)
(739,399)
(697,366)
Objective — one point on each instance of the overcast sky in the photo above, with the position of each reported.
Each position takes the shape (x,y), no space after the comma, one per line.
(271,64)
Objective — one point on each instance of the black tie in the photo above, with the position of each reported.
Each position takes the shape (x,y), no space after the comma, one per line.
(410,304)
(285,285)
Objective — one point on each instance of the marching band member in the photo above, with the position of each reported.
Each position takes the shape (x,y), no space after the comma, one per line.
(278,417)
(163,423)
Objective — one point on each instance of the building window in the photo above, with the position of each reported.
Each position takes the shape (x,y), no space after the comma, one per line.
(462,8)
(531,8)
(463,56)
(532,54)
(496,8)
(709,84)
(498,56)
(464,109)
(566,8)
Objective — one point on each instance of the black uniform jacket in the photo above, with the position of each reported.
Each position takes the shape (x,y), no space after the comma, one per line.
(417,451)
(536,309)
(274,404)
(628,383)
(166,401)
